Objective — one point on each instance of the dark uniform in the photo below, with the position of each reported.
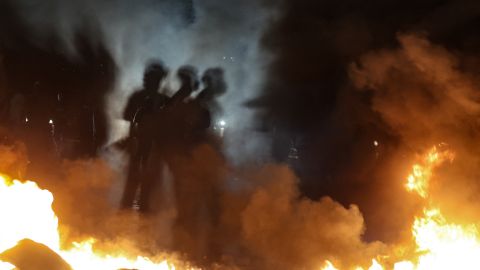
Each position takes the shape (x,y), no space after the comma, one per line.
(184,118)
(215,86)
(140,112)
(193,164)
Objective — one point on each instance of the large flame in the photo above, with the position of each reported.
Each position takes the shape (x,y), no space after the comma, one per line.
(443,245)
(440,244)
(26,212)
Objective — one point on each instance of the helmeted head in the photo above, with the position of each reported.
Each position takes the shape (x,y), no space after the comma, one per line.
(188,77)
(213,80)
(154,74)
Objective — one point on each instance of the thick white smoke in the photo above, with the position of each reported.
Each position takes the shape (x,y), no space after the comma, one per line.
(204,33)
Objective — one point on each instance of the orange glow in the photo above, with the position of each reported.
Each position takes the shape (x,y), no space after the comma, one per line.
(440,243)
(443,245)
(329,266)
(26,212)
(419,179)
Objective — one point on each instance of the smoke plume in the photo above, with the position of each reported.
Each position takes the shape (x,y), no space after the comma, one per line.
(288,231)
(200,33)
(362,99)
(428,96)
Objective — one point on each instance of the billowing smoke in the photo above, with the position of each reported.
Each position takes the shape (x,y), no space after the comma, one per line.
(428,95)
(288,231)
(361,98)
(420,95)
(347,149)
(61,42)
(200,33)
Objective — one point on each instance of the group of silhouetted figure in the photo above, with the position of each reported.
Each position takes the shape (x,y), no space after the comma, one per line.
(53,102)
(163,128)
(175,134)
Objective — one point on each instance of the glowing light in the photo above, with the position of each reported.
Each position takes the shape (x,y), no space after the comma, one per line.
(222,123)
(6,266)
(26,212)
(50,122)
(375,265)
(445,245)
(329,266)
(440,244)
(375,143)
(26,119)
(405,265)
(21,206)
(419,179)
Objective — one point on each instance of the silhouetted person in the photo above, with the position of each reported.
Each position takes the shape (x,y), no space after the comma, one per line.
(191,119)
(171,128)
(141,109)
(190,160)
(189,83)
(214,87)
(183,118)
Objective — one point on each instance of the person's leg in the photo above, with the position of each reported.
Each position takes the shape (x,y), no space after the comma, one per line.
(131,184)
(152,175)
(146,187)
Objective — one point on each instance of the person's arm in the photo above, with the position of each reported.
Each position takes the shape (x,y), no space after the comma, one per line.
(131,108)
(179,96)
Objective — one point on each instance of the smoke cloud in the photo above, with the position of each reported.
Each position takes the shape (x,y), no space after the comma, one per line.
(200,33)
(289,231)
(427,95)
(347,148)
(363,99)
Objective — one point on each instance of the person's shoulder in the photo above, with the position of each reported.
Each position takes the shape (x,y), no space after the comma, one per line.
(138,94)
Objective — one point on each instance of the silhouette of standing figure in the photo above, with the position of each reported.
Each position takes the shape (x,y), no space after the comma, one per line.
(214,87)
(140,107)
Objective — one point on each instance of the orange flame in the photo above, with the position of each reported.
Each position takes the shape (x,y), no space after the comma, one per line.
(441,245)
(26,212)
(329,266)
(419,179)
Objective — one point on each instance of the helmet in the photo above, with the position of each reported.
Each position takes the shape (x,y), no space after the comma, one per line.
(188,75)
(213,79)
(154,72)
